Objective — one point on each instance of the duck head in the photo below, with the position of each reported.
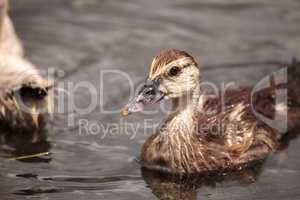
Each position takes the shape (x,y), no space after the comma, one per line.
(173,74)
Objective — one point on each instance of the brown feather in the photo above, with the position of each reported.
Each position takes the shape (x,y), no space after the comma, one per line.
(164,58)
(237,136)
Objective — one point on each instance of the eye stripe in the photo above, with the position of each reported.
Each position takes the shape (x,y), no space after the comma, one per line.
(161,67)
(182,62)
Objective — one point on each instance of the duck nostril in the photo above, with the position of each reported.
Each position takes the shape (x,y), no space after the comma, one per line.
(150,91)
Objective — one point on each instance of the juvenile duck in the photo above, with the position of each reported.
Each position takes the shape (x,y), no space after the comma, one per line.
(23,91)
(205,131)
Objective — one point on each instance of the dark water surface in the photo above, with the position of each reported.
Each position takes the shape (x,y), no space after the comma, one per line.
(234,40)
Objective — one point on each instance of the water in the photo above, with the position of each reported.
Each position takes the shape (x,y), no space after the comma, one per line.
(234,40)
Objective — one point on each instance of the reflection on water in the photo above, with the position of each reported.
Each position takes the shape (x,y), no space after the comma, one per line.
(168,187)
(23,146)
(238,41)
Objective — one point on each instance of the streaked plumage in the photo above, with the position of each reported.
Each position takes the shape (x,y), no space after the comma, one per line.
(202,134)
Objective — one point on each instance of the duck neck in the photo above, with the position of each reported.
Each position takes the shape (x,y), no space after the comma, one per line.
(184,110)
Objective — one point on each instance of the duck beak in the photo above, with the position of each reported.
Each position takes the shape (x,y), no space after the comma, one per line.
(148,94)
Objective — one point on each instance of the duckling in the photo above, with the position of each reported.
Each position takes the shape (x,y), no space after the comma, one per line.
(190,140)
(23,91)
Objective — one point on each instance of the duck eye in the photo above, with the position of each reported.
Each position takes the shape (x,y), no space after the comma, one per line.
(174,71)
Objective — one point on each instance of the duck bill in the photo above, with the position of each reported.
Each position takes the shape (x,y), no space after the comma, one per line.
(148,94)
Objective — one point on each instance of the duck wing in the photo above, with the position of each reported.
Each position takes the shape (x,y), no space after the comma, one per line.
(239,126)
